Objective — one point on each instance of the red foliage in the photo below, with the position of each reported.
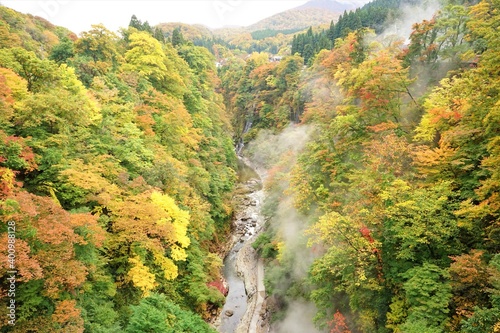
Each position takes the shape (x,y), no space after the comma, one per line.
(49,253)
(67,315)
(24,152)
(220,286)
(382,127)
(28,267)
(365,232)
(338,324)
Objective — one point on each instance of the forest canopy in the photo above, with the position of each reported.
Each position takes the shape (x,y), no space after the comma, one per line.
(116,168)
(118,163)
(397,188)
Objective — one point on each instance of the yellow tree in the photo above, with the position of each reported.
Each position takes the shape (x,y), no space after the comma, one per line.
(151,231)
(147,57)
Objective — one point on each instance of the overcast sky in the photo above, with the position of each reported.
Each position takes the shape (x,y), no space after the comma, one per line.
(79,15)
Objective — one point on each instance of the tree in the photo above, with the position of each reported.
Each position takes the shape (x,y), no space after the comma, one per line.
(96,53)
(147,57)
(469,277)
(135,22)
(158,35)
(63,51)
(428,294)
(156,314)
(177,38)
(16,154)
(99,44)
(150,234)
(380,83)
(420,225)
(39,74)
(349,267)
(13,91)
(59,110)
(340,324)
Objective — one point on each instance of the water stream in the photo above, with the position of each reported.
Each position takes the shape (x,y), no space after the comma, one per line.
(236,299)
(240,264)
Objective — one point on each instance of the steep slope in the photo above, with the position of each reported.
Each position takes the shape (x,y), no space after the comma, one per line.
(296,18)
(116,171)
(195,31)
(314,12)
(330,5)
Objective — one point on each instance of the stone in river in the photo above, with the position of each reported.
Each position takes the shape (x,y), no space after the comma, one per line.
(229,313)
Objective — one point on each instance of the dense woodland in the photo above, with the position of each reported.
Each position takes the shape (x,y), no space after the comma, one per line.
(117,166)
(376,15)
(399,183)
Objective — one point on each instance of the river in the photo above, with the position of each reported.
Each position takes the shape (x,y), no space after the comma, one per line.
(243,270)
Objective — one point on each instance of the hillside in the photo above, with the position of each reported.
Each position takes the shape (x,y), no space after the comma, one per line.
(296,18)
(331,5)
(30,32)
(116,172)
(261,35)
(189,31)
(378,208)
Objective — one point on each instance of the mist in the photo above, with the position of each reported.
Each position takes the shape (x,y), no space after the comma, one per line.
(277,154)
(290,226)
(297,319)
(401,28)
(267,149)
(280,151)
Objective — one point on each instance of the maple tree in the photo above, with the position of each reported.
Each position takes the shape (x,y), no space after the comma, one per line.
(400,186)
(130,136)
(37,245)
(122,145)
(338,324)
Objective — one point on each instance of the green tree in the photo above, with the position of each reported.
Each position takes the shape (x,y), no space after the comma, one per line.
(177,38)
(428,293)
(63,51)
(420,225)
(156,314)
(39,74)
(99,44)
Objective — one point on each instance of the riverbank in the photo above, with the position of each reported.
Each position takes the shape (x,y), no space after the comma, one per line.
(248,222)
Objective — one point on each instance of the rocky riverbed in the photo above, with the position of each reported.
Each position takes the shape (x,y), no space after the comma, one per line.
(244,271)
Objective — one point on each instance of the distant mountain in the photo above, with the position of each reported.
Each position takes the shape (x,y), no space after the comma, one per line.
(189,31)
(296,18)
(312,13)
(330,5)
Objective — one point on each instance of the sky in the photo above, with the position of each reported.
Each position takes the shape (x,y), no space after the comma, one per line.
(78,15)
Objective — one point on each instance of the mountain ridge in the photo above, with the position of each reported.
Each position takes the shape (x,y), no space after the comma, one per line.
(313,12)
(331,5)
